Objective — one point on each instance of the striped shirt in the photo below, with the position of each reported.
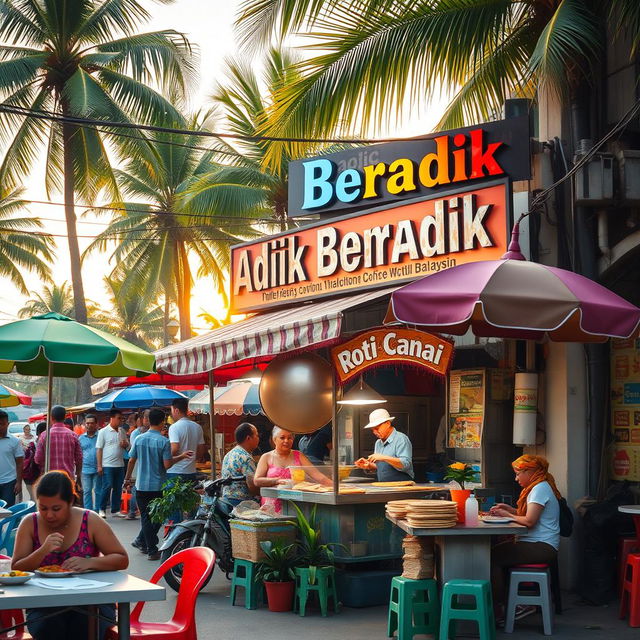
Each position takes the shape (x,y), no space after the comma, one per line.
(66,453)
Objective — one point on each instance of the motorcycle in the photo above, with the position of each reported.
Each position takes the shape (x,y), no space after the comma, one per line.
(210,528)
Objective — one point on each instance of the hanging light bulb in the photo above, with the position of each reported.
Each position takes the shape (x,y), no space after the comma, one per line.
(362,394)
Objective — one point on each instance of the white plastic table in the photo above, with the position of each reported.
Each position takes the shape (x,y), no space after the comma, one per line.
(122,589)
(5,513)
(634,511)
(465,552)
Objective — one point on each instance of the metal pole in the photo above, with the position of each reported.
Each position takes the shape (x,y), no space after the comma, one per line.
(47,460)
(212,425)
(334,440)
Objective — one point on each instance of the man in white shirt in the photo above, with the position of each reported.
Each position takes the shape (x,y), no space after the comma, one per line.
(110,447)
(184,435)
(11,458)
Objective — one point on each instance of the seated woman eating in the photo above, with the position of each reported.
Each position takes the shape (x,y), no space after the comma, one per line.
(539,510)
(273,467)
(78,540)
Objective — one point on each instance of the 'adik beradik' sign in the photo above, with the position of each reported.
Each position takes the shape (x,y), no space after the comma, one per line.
(376,248)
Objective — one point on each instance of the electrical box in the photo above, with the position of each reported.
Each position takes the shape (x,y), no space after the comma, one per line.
(629,164)
(594,181)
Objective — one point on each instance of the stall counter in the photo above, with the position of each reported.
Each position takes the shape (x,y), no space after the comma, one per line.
(356,521)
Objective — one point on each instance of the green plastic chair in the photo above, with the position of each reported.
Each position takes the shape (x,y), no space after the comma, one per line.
(324,585)
(414,608)
(480,611)
(244,575)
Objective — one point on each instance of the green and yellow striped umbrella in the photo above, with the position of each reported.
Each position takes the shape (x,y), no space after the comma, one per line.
(53,345)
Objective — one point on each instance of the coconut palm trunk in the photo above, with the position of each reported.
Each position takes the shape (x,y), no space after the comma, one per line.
(80,306)
(184,294)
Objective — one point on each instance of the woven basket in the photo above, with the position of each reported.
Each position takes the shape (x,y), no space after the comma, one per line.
(246,537)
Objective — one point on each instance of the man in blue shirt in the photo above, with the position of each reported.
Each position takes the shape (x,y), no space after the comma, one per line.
(152,452)
(392,457)
(91,479)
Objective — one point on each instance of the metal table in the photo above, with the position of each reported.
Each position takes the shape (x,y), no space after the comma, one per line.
(464,552)
(122,589)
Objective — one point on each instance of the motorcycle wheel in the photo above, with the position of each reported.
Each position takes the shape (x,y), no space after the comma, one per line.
(173,577)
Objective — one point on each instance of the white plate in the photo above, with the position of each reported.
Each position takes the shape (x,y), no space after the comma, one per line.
(58,574)
(16,579)
(495,519)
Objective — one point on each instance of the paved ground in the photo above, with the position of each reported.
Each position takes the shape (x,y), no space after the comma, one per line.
(217,619)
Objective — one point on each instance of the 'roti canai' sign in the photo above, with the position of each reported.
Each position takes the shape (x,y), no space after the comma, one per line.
(384,346)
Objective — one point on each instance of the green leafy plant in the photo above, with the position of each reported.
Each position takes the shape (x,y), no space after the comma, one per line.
(177,495)
(278,563)
(312,552)
(461,473)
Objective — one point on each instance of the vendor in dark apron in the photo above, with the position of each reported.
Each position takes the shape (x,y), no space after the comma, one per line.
(393,452)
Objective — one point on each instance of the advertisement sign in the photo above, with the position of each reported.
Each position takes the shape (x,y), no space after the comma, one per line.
(384,346)
(379,174)
(466,408)
(376,248)
(625,409)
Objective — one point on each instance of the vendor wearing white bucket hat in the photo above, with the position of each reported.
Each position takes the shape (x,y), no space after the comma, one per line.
(392,457)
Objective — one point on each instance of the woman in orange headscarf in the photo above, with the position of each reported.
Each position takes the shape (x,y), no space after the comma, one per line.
(538,509)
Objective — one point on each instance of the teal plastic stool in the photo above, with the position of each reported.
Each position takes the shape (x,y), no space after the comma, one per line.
(481,611)
(413,608)
(324,586)
(244,575)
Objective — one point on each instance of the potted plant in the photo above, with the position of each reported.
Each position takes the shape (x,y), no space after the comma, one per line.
(276,571)
(312,552)
(178,496)
(461,473)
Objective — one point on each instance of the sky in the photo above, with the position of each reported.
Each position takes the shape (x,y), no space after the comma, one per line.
(209,25)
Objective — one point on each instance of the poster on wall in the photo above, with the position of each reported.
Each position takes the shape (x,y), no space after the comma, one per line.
(625,390)
(625,409)
(466,408)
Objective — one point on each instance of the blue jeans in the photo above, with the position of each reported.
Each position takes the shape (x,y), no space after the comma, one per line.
(148,536)
(133,504)
(177,516)
(112,478)
(7,492)
(91,483)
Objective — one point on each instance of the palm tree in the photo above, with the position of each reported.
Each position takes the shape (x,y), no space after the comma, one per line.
(87,59)
(377,53)
(241,181)
(158,238)
(22,244)
(133,318)
(56,298)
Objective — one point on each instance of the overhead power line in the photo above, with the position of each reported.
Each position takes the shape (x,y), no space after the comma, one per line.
(55,117)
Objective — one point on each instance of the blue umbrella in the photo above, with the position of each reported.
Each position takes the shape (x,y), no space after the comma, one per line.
(138,396)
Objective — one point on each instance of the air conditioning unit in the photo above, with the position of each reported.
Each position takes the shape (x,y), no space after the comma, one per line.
(594,181)
(629,164)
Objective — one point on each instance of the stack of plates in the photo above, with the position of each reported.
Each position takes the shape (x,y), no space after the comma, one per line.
(431,514)
(397,508)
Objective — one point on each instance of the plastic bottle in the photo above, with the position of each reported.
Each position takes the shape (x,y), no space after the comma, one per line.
(471,511)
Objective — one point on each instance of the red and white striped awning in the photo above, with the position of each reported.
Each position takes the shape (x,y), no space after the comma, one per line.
(266,334)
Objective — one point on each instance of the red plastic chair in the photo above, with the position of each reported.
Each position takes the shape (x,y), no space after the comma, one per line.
(10,618)
(198,563)
(630,596)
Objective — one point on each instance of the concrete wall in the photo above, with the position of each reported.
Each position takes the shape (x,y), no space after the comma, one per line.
(564,407)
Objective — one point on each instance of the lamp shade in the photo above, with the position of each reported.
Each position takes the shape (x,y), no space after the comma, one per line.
(361,395)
